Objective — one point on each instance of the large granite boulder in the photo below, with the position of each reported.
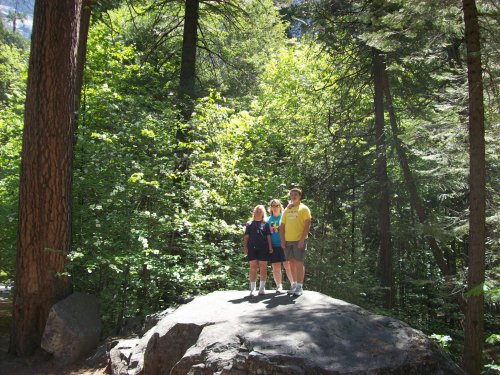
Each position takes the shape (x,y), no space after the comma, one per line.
(73,328)
(229,333)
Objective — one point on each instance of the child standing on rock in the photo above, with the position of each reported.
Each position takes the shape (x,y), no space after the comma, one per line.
(257,247)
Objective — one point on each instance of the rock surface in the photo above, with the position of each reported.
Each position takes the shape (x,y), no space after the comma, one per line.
(73,328)
(229,333)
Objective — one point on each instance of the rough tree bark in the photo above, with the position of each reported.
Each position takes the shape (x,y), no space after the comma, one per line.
(385,268)
(188,59)
(187,94)
(474,317)
(353,220)
(44,230)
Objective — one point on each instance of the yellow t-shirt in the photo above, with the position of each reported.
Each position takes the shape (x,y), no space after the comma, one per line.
(293,218)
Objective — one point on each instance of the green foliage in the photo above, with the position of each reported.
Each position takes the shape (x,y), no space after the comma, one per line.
(493,339)
(143,239)
(442,340)
(236,45)
(13,68)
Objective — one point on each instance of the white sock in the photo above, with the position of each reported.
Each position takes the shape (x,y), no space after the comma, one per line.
(253,285)
(279,286)
(262,284)
(299,285)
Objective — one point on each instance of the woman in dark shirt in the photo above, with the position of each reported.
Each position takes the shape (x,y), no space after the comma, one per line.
(257,247)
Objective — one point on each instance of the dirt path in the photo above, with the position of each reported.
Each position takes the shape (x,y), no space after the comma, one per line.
(39,364)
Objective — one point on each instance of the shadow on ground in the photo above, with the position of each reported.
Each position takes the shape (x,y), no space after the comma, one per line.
(271,300)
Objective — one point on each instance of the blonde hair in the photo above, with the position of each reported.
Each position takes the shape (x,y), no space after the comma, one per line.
(263,209)
(274,200)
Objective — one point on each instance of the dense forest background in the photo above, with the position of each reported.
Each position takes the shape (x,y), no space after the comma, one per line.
(165,177)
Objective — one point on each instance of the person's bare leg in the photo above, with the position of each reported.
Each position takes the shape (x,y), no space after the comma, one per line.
(263,276)
(288,271)
(293,274)
(299,271)
(292,269)
(252,275)
(277,274)
(263,270)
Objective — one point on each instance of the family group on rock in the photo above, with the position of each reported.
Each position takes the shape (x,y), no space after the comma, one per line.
(280,239)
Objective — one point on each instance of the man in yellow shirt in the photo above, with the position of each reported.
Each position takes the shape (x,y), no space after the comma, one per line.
(294,228)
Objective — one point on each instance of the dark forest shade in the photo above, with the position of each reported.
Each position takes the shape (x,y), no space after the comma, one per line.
(44,231)
(415,200)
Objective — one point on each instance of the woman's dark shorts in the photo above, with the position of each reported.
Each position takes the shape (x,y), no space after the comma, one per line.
(258,254)
(278,255)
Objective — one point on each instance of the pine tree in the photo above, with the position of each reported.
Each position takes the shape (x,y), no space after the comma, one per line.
(44,230)
(474,317)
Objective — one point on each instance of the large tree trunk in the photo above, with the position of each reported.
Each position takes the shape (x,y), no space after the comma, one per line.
(186,94)
(353,221)
(14,18)
(474,318)
(385,268)
(44,230)
(415,200)
(188,59)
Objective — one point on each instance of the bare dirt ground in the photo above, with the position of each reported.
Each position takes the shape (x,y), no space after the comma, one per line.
(38,364)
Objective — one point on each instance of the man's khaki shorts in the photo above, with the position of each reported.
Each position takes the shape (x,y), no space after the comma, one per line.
(292,250)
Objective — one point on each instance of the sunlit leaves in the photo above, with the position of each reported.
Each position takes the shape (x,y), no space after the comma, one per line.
(13,67)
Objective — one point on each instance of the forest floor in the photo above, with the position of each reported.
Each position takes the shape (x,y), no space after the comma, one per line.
(40,363)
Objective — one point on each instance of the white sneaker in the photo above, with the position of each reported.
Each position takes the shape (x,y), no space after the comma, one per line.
(279,289)
(253,293)
(262,291)
(298,291)
(292,288)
